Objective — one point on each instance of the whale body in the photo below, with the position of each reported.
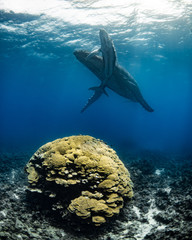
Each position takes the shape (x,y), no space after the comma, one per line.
(120,80)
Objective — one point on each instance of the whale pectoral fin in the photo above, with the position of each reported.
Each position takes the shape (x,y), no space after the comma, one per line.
(93,53)
(101,90)
(91,100)
(97,94)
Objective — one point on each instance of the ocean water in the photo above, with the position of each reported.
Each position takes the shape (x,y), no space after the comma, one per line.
(43,87)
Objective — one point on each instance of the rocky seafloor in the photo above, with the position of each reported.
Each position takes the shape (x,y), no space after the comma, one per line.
(160,209)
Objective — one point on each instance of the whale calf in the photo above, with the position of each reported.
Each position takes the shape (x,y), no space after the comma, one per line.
(120,81)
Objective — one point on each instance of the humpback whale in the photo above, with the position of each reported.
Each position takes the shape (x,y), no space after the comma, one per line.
(120,81)
(109,60)
(108,53)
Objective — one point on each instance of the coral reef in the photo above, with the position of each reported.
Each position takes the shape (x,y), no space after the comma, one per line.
(145,217)
(82,175)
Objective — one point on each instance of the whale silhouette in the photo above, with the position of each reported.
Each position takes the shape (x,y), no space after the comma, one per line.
(120,81)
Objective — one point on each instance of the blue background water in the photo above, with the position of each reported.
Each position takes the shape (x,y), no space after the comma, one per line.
(43,87)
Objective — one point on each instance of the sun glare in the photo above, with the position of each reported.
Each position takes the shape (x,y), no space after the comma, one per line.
(162,6)
(94,12)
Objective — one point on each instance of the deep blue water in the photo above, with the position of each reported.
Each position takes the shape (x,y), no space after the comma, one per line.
(43,87)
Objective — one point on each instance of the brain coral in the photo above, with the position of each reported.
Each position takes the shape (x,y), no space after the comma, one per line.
(81,175)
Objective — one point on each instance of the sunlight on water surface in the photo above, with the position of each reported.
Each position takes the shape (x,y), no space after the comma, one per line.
(98,12)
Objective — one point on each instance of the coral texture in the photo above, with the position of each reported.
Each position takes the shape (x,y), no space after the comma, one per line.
(83,175)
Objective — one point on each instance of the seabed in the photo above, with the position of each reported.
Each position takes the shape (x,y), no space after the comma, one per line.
(160,209)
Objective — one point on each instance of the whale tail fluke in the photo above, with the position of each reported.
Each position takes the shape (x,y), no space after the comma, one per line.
(146,106)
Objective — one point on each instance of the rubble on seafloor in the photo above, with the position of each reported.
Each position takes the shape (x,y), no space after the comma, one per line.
(159,209)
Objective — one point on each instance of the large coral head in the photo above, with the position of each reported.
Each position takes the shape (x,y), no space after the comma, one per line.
(83,175)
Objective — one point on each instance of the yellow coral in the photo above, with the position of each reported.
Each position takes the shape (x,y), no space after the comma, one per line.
(33,176)
(85,164)
(98,220)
